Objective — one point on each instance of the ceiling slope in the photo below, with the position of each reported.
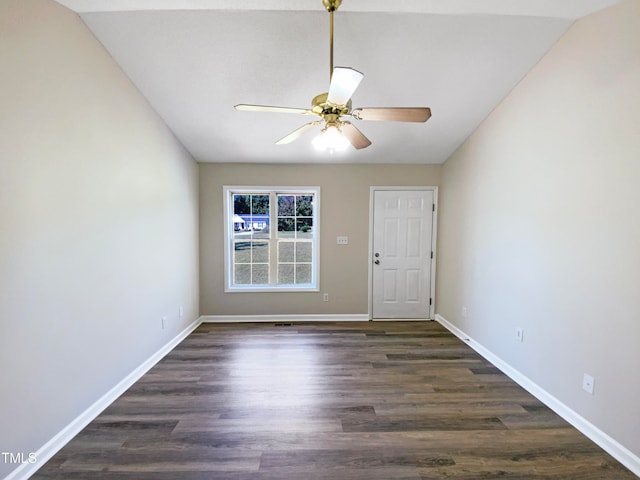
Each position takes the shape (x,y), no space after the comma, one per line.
(194,60)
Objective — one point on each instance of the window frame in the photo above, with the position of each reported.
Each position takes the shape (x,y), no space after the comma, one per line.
(228,206)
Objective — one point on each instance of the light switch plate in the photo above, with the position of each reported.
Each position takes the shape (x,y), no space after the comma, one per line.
(342,240)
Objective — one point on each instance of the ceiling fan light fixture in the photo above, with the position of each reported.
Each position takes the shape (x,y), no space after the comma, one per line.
(331,140)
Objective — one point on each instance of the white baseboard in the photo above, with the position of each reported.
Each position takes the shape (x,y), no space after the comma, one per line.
(402,320)
(50,448)
(611,446)
(355,317)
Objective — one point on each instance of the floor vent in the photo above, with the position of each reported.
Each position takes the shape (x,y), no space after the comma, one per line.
(283,324)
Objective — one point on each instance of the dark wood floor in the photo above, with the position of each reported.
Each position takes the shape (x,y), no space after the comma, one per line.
(356,401)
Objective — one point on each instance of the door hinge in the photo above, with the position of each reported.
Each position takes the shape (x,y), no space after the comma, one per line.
(432,254)
(433,207)
(430,300)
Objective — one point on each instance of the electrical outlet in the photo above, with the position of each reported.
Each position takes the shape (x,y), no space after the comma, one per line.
(465,312)
(325,297)
(587,383)
(164,322)
(520,334)
(181,312)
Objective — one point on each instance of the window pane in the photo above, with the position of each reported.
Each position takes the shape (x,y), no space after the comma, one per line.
(304,251)
(259,204)
(285,252)
(242,204)
(304,227)
(286,205)
(241,211)
(238,226)
(304,205)
(242,252)
(257,225)
(260,252)
(285,274)
(260,274)
(303,273)
(242,274)
(260,227)
(286,228)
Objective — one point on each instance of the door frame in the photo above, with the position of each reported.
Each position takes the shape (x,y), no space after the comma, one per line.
(434,236)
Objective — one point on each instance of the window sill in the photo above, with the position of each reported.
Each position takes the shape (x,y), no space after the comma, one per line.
(292,289)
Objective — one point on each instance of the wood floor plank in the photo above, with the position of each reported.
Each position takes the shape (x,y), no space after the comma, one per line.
(352,401)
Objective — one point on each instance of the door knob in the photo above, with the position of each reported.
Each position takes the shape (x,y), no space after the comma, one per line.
(377,262)
(376,254)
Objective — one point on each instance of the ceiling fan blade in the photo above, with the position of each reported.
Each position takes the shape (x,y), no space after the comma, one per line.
(393,114)
(355,136)
(270,109)
(344,82)
(297,133)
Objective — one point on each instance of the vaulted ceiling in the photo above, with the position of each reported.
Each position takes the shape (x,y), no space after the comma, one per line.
(195,59)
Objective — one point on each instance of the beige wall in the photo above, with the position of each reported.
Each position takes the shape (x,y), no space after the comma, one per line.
(98,225)
(344,211)
(539,224)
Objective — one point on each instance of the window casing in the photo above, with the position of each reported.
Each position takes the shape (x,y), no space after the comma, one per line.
(271,238)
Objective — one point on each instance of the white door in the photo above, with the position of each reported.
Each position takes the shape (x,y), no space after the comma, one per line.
(402,253)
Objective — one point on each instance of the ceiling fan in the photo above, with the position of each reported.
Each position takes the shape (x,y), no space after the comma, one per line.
(335,104)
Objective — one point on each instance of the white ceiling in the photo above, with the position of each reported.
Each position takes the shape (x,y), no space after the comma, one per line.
(195,59)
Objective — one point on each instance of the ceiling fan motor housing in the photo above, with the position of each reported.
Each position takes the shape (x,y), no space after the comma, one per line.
(330,112)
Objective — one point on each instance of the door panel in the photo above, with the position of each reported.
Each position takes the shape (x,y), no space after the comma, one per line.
(390,286)
(391,232)
(414,243)
(412,283)
(402,229)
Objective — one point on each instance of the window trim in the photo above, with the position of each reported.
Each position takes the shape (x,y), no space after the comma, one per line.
(228,191)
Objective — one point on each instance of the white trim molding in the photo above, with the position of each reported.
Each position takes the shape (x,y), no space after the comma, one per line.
(65,435)
(349,317)
(610,445)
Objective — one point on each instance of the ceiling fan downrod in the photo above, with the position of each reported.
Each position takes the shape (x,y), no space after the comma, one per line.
(331,6)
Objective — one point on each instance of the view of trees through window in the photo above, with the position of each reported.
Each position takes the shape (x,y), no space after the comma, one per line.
(273,258)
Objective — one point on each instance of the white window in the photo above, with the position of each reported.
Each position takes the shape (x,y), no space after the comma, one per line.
(271,238)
